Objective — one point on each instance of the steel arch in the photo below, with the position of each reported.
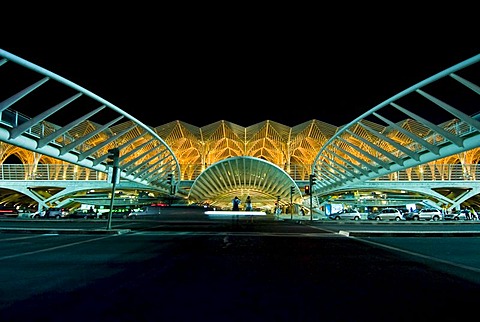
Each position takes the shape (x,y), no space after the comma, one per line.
(244,176)
(144,158)
(361,150)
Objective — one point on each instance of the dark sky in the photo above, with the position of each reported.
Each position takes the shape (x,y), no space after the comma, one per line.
(247,77)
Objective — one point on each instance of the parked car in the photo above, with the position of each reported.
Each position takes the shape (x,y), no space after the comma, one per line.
(458,215)
(425,214)
(386,214)
(346,214)
(55,213)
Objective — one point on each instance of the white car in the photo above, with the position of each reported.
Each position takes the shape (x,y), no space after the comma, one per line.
(386,214)
(459,215)
(346,214)
(425,214)
(55,213)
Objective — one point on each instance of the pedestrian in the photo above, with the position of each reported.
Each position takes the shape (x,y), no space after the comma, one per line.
(278,210)
(236,203)
(248,204)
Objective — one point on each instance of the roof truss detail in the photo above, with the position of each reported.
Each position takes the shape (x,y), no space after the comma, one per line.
(404,135)
(69,127)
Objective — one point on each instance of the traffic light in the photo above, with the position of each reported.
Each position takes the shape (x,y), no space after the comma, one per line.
(292,190)
(112,163)
(112,157)
(307,189)
(170,179)
(278,198)
(313,179)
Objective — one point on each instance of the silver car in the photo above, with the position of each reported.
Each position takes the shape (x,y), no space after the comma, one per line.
(386,214)
(425,214)
(346,214)
(55,213)
(458,215)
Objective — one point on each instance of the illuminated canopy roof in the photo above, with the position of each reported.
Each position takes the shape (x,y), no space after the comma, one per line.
(242,177)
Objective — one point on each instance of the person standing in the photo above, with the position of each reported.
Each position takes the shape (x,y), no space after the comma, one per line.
(278,210)
(248,204)
(236,203)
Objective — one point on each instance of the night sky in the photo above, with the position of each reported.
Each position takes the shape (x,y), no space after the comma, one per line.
(247,77)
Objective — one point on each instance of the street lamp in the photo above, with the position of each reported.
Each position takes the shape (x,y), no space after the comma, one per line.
(312,180)
(113,177)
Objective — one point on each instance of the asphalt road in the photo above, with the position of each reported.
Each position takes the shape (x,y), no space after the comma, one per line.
(261,271)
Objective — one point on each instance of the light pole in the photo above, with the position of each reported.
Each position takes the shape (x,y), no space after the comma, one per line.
(312,180)
(114,178)
(292,188)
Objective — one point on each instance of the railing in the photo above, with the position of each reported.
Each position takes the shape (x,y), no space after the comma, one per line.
(48,172)
(435,172)
(426,172)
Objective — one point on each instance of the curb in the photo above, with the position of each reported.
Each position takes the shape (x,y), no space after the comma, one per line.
(409,233)
(65,231)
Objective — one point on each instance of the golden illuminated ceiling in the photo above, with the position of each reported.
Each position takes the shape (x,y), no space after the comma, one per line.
(293,149)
